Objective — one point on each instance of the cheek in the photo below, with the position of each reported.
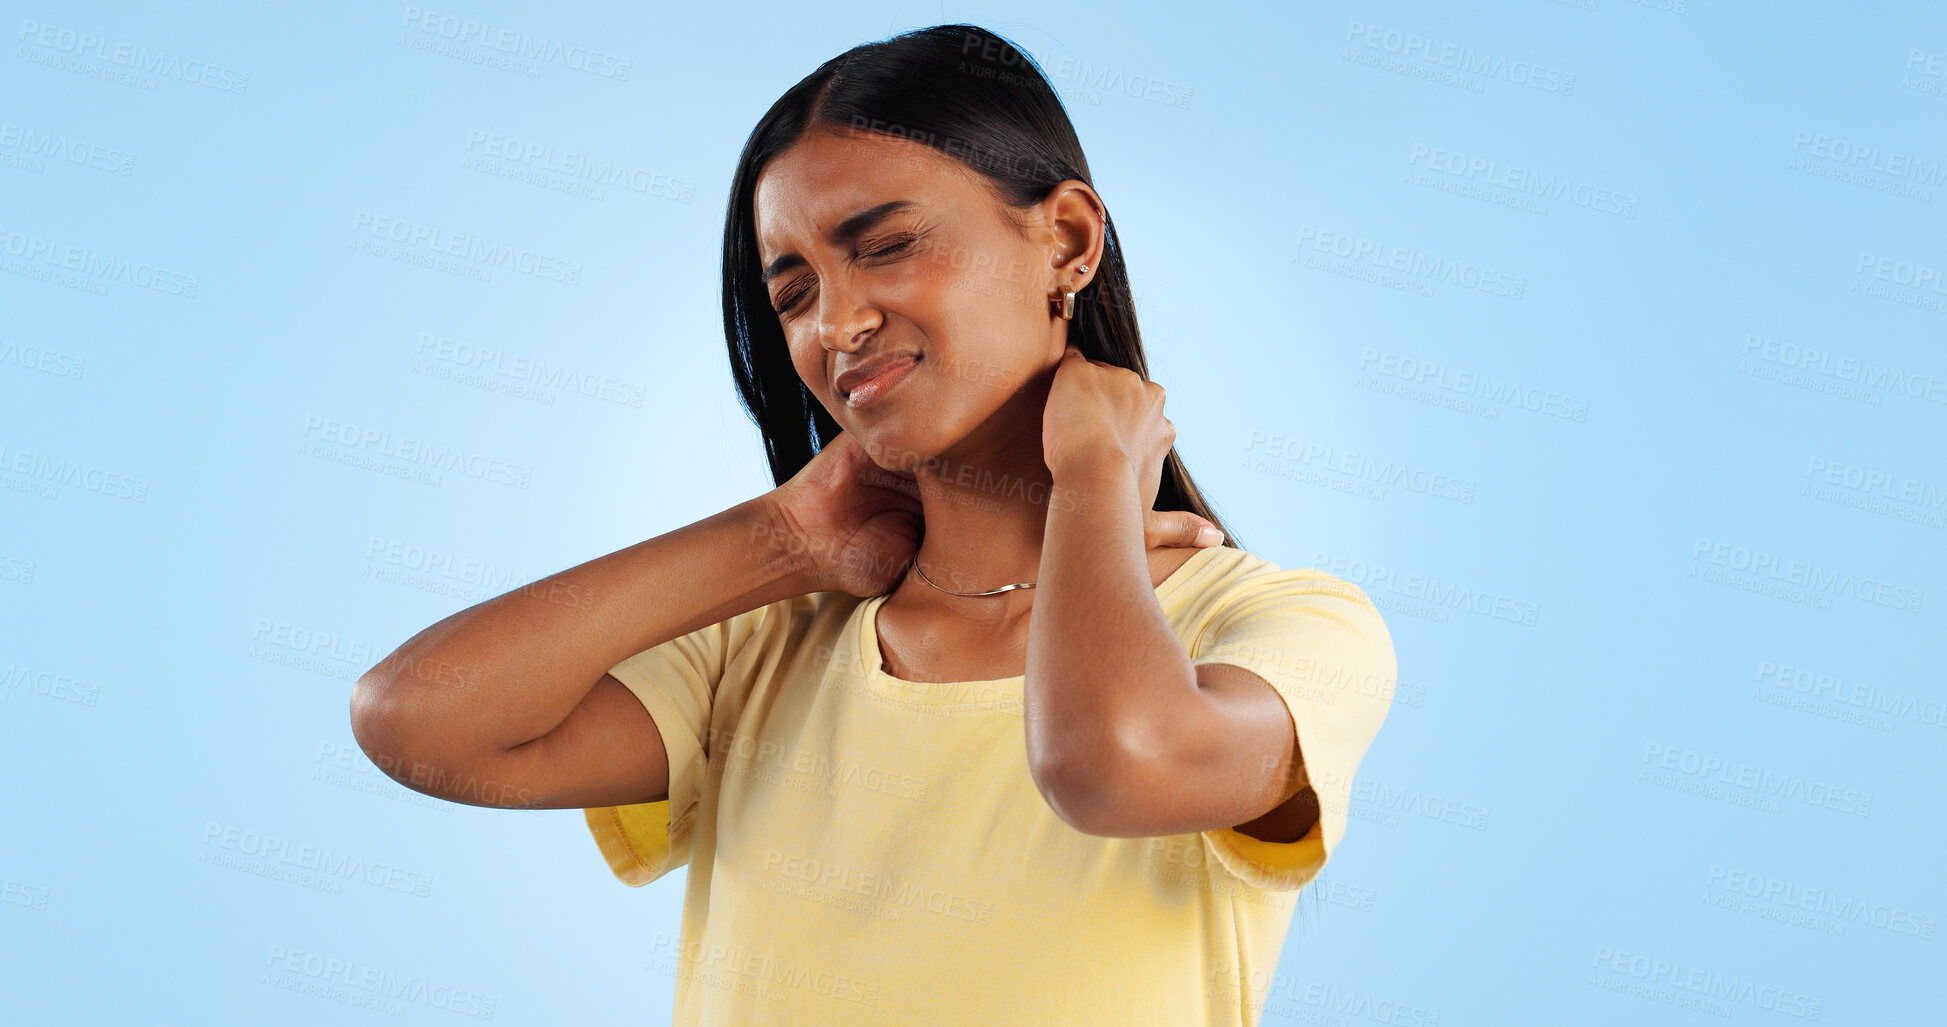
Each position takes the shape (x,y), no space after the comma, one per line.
(992,280)
(986,336)
(809,361)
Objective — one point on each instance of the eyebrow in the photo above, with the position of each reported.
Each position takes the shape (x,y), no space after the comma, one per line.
(846,230)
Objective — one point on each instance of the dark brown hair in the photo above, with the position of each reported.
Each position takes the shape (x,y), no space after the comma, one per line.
(982,101)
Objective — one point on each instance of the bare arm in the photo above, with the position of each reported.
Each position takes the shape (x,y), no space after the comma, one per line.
(1126,738)
(508,703)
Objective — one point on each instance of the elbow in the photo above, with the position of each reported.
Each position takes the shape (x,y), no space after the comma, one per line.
(392,723)
(1098,789)
(378,721)
(1081,794)
(372,711)
(388,738)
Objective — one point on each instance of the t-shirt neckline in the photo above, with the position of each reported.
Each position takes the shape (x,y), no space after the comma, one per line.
(867,638)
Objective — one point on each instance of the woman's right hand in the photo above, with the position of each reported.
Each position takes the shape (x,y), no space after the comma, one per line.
(855,524)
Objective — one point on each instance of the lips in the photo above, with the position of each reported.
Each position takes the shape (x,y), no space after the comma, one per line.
(853,377)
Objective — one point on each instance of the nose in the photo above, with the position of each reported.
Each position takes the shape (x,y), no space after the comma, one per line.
(845,319)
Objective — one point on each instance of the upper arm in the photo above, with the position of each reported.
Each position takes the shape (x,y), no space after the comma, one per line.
(632,754)
(1295,674)
(608,751)
(640,736)
(644,832)
(1234,758)
(1266,756)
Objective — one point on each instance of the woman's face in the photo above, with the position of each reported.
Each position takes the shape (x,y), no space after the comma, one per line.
(880,251)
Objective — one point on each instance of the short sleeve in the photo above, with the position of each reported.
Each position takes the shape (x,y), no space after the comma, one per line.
(1322,644)
(677,683)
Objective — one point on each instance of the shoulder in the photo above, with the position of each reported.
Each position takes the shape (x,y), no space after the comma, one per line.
(1245,602)
(813,618)
(1235,577)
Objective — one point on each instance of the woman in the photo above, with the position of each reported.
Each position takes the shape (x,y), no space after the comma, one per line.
(970,720)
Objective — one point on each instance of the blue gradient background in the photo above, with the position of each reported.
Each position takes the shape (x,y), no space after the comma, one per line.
(158,689)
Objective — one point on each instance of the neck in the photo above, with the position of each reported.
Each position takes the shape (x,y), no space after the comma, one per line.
(986,505)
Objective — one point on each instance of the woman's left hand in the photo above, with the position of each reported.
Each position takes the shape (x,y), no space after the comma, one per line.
(1100,412)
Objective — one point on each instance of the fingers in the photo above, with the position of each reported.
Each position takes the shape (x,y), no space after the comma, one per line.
(1152,389)
(1179,528)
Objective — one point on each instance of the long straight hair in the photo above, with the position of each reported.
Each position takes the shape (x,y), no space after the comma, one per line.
(982,101)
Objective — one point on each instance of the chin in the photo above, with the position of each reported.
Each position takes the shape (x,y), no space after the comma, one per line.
(896,447)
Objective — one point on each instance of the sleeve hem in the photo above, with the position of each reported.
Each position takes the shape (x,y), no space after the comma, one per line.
(1276,866)
(613,833)
(639,840)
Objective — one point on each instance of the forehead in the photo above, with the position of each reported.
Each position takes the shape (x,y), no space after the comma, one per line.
(826,176)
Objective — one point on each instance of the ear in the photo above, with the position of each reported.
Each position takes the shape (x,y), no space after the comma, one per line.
(1077,223)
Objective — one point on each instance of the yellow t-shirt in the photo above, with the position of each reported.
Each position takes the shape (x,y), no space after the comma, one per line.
(869,850)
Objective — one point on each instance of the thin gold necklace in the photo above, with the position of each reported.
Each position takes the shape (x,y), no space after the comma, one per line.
(943,588)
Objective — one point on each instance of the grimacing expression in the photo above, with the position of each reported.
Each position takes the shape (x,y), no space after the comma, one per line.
(924,261)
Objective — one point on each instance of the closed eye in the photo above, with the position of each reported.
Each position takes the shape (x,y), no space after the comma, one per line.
(790,301)
(897,245)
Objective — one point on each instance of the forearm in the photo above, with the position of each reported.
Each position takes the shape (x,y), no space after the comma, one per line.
(511,669)
(1105,669)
